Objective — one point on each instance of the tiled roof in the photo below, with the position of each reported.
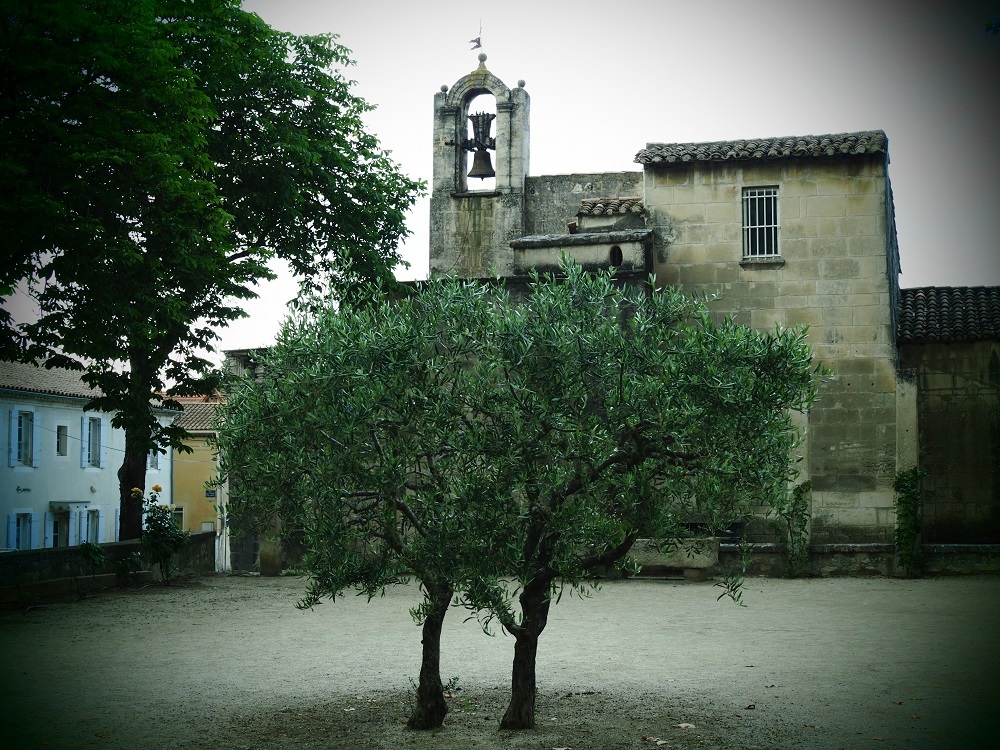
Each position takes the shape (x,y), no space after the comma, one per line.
(864,142)
(55,382)
(198,417)
(960,313)
(610,206)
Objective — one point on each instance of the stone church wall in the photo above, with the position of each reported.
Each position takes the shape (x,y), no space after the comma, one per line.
(959,414)
(832,275)
(552,201)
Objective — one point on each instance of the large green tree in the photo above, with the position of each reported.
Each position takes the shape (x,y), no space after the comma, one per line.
(504,450)
(155,155)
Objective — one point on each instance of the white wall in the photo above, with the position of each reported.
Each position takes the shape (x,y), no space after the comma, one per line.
(66,482)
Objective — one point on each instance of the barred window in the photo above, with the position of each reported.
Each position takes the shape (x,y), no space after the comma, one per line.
(760,222)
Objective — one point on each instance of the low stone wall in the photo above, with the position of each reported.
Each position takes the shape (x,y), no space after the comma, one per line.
(694,558)
(33,566)
(961,559)
(866,559)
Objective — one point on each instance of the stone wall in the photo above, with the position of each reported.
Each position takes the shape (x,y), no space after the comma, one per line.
(552,201)
(32,566)
(832,275)
(959,413)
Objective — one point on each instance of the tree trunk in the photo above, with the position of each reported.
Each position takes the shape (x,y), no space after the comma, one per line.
(431,707)
(535,605)
(132,473)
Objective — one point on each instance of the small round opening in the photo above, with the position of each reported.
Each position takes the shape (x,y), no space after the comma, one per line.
(616,256)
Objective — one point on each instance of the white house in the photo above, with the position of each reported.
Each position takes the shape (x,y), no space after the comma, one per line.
(59,479)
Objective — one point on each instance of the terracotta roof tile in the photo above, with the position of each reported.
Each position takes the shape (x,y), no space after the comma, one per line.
(959,313)
(18,376)
(610,206)
(198,417)
(864,142)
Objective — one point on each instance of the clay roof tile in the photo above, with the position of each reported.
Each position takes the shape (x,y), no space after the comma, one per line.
(949,314)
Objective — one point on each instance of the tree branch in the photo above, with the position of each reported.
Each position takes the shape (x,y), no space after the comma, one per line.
(611,555)
(408,512)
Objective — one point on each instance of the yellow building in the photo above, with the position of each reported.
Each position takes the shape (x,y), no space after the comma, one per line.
(197,503)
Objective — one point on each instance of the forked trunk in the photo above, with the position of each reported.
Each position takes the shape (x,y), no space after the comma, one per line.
(520,712)
(431,707)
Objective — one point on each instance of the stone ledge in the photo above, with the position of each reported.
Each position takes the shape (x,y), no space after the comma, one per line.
(762,263)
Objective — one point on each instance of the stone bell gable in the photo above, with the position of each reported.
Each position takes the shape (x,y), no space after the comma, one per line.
(470,228)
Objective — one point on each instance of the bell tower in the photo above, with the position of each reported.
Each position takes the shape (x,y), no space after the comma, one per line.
(471,229)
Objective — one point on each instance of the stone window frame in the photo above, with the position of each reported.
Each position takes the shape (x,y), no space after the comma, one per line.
(757,232)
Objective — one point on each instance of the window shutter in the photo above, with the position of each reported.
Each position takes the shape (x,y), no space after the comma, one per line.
(12,530)
(36,440)
(100,524)
(12,439)
(105,439)
(74,528)
(35,531)
(84,442)
(49,521)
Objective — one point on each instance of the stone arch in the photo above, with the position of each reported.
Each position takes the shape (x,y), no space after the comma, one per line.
(479,81)
(451,107)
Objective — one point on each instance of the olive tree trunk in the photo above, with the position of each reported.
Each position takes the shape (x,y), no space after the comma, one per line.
(535,603)
(431,708)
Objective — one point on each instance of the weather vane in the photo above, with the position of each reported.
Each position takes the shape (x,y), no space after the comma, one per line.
(477,43)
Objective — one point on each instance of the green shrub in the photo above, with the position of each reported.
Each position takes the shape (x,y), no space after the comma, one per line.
(161,539)
(126,567)
(92,556)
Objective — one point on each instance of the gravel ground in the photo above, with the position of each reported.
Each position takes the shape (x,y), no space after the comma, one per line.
(228,662)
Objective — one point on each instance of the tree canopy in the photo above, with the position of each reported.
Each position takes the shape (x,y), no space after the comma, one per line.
(154,157)
(503,449)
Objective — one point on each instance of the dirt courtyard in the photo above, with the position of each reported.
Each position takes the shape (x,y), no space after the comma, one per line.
(228,662)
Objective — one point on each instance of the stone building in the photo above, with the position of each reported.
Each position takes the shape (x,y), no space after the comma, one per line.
(789,231)
(949,343)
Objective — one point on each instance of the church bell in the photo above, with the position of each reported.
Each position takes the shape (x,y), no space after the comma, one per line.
(482,165)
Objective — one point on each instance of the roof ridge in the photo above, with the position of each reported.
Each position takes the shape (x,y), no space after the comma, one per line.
(827,144)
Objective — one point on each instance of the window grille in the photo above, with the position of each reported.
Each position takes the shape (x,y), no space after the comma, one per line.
(760,222)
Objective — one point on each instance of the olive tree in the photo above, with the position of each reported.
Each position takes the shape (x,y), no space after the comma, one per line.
(502,449)
(622,409)
(359,438)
